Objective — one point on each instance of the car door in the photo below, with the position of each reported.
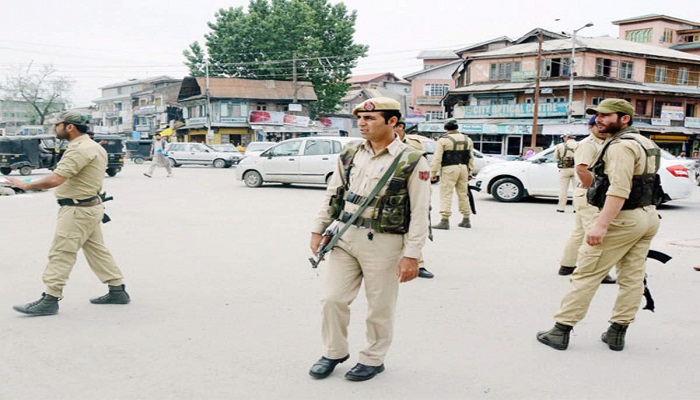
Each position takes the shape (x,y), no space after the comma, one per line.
(177,151)
(317,161)
(200,154)
(543,175)
(281,162)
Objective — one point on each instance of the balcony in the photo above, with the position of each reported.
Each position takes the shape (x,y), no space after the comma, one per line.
(428,100)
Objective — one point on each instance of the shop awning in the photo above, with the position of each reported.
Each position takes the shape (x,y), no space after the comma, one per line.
(167,132)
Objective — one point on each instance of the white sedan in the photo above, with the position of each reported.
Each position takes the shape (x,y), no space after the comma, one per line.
(539,177)
(302,160)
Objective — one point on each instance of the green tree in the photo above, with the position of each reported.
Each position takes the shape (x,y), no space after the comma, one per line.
(262,42)
(45,92)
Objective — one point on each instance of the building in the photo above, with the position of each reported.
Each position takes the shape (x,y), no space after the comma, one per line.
(239,111)
(156,108)
(494,99)
(17,115)
(662,31)
(429,85)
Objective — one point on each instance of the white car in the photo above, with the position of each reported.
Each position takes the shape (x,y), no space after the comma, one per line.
(302,160)
(480,159)
(255,148)
(185,153)
(539,177)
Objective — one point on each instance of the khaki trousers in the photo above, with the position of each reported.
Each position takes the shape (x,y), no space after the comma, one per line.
(454,177)
(585,213)
(566,179)
(356,258)
(625,245)
(76,228)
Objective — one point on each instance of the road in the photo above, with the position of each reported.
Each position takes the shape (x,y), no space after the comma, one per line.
(226,306)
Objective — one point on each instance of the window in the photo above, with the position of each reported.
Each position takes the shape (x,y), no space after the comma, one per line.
(553,100)
(555,67)
(596,100)
(434,115)
(261,107)
(660,74)
(640,107)
(487,144)
(605,67)
(626,68)
(436,89)
(668,36)
(683,76)
(317,147)
(286,149)
(503,71)
(639,35)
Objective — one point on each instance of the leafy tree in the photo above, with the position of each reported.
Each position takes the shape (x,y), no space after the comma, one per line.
(262,43)
(45,92)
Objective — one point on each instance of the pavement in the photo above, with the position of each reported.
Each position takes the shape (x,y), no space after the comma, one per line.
(225,304)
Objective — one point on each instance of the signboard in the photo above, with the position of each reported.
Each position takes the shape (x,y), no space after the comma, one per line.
(546,91)
(415,118)
(478,128)
(294,107)
(344,124)
(240,120)
(522,76)
(520,110)
(296,120)
(660,122)
(266,118)
(675,113)
(691,122)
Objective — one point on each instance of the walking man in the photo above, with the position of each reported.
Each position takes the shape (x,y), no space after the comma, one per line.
(158,157)
(585,154)
(78,181)
(453,160)
(626,190)
(564,153)
(383,244)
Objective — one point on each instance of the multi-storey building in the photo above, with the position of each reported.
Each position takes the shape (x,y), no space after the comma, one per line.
(156,108)
(663,31)
(431,84)
(238,111)
(494,98)
(17,113)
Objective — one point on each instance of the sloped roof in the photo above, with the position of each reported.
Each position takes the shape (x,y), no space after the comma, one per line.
(535,33)
(437,55)
(477,45)
(371,77)
(651,17)
(451,65)
(140,81)
(602,43)
(238,88)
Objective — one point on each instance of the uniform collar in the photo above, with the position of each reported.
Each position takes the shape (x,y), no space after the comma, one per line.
(79,139)
(393,148)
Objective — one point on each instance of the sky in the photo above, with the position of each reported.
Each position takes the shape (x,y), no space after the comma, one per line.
(99,42)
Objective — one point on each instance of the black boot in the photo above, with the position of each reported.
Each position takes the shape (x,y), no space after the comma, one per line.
(46,305)
(116,295)
(424,273)
(564,270)
(557,337)
(615,336)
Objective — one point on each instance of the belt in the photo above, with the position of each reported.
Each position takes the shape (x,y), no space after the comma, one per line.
(360,221)
(89,202)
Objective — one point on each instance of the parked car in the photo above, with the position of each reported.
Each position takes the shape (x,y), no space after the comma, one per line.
(229,148)
(257,147)
(301,160)
(197,154)
(539,177)
(481,160)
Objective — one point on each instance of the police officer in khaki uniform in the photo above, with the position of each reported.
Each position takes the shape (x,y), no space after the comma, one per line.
(564,153)
(626,190)
(400,130)
(78,180)
(453,160)
(369,250)
(585,154)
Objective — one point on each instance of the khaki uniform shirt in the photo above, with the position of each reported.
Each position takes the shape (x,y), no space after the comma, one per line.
(625,158)
(587,151)
(368,168)
(560,152)
(83,166)
(444,144)
(414,144)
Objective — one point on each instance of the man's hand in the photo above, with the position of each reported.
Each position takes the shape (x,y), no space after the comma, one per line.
(16,182)
(595,235)
(408,269)
(315,241)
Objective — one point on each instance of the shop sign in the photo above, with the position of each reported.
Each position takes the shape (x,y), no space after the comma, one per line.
(691,122)
(672,112)
(520,110)
(660,122)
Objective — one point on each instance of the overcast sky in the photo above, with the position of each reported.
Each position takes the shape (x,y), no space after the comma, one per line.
(100,42)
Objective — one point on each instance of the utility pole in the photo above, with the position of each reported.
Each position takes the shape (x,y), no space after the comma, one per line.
(294,75)
(533,143)
(210,133)
(572,63)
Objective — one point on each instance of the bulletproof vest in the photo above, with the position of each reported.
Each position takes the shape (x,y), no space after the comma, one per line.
(458,155)
(566,161)
(646,188)
(391,210)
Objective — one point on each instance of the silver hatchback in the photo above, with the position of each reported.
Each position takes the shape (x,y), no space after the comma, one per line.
(198,154)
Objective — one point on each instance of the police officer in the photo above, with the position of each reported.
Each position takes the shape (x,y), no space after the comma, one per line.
(78,178)
(626,189)
(453,160)
(379,251)
(564,153)
(585,154)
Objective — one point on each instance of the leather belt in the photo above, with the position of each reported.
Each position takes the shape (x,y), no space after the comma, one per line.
(89,202)
(360,221)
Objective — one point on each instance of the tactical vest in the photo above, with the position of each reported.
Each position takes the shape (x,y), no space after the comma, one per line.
(458,155)
(391,211)
(646,188)
(564,161)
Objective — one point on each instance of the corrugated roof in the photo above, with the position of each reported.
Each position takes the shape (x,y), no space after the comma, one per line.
(648,17)
(451,65)
(370,77)
(437,54)
(589,83)
(223,88)
(602,43)
(476,45)
(139,81)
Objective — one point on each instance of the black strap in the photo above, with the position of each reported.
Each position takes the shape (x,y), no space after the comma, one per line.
(73,202)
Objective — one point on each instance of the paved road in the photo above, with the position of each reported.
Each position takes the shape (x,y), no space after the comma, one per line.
(225,305)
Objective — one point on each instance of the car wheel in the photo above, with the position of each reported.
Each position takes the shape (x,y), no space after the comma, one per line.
(252,179)
(173,163)
(5,170)
(26,170)
(507,190)
(112,171)
(138,160)
(328,178)
(219,163)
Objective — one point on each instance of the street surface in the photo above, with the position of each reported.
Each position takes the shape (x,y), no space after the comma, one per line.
(225,304)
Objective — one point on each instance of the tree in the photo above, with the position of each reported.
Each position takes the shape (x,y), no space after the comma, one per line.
(273,35)
(41,89)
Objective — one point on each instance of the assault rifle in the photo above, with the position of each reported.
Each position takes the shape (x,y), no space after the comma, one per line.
(323,247)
